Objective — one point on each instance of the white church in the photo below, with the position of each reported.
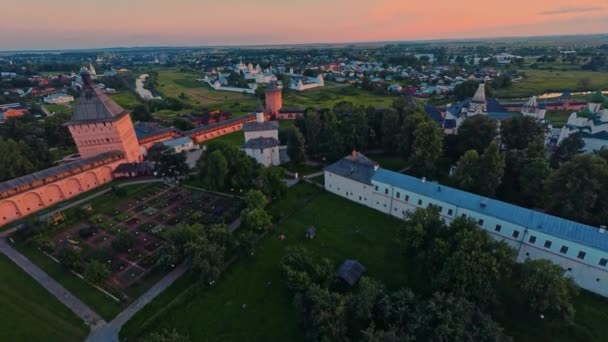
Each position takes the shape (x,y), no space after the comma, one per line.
(262,139)
(580,249)
(591,123)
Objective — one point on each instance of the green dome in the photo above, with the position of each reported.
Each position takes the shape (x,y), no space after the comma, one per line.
(597,97)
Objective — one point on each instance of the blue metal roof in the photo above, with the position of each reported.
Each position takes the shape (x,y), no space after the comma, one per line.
(541,222)
(177,142)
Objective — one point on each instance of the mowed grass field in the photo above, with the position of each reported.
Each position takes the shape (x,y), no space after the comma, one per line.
(546,81)
(126,99)
(29,313)
(251,302)
(173,83)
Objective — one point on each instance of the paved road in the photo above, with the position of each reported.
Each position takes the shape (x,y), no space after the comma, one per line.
(90,317)
(109,332)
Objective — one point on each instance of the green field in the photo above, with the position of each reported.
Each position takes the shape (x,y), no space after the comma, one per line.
(344,230)
(545,81)
(30,313)
(251,301)
(60,109)
(126,100)
(173,83)
(331,94)
(558,117)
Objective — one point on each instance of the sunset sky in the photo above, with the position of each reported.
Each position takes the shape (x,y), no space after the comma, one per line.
(58,24)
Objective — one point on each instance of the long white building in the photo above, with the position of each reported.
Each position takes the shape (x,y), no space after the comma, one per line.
(580,249)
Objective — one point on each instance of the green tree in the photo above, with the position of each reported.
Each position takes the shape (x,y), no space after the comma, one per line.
(256,219)
(214,170)
(480,174)
(577,190)
(295,145)
(182,124)
(451,318)
(353,128)
(390,131)
(426,149)
(123,241)
(255,199)
(271,182)
(476,133)
(567,149)
(547,291)
(301,270)
(171,165)
(96,272)
(519,132)
(68,257)
(206,259)
(322,314)
(468,88)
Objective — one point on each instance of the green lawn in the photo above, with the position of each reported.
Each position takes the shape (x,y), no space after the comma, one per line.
(95,299)
(558,117)
(173,83)
(60,109)
(328,97)
(235,138)
(30,313)
(542,81)
(217,313)
(126,100)
(251,301)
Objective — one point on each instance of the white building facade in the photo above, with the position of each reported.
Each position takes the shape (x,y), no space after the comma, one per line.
(262,139)
(580,249)
(590,123)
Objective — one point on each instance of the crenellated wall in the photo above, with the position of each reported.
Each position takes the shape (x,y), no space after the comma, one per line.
(50,193)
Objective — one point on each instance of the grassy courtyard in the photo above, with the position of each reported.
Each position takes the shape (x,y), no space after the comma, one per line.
(547,81)
(251,301)
(218,314)
(30,313)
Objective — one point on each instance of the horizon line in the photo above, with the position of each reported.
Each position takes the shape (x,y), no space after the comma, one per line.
(228,45)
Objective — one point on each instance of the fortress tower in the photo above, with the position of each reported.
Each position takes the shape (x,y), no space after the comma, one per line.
(100,125)
(274,99)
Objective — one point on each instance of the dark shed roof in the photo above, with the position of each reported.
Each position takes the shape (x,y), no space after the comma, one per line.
(350,271)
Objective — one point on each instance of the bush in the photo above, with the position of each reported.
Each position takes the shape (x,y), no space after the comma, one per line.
(123,241)
(68,257)
(87,232)
(96,272)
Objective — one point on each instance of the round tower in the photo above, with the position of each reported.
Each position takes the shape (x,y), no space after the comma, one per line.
(259,113)
(274,100)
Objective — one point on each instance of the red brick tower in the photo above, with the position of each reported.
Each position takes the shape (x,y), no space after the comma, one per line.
(274,100)
(100,125)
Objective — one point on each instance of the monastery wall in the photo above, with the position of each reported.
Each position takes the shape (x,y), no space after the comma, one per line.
(48,194)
